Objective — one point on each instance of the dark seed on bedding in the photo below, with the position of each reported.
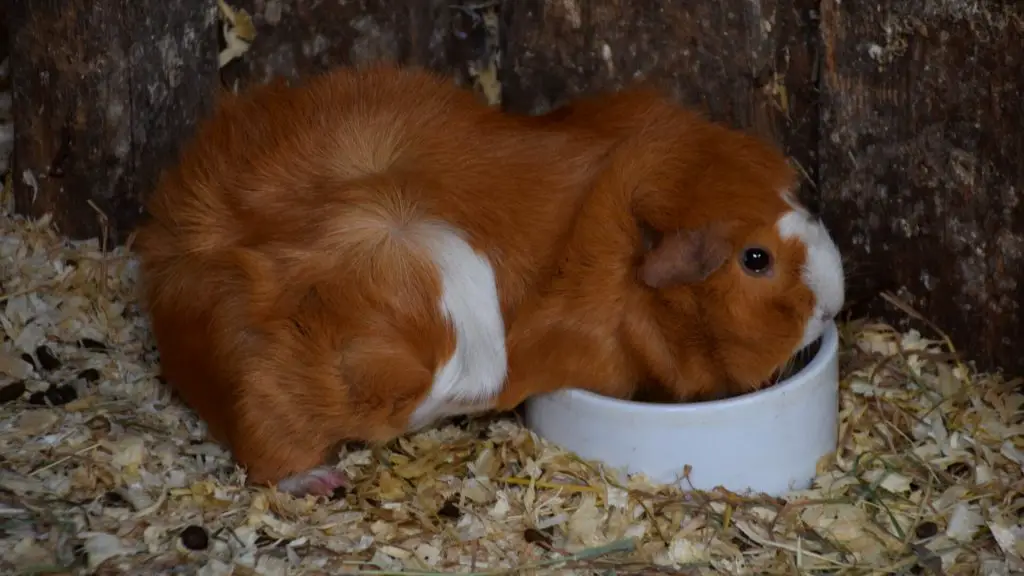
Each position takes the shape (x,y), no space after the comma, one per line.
(12,392)
(47,359)
(28,358)
(113,499)
(195,538)
(926,530)
(37,398)
(534,536)
(91,344)
(60,395)
(89,375)
(449,510)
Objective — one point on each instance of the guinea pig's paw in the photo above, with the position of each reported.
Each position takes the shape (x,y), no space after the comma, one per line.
(320,481)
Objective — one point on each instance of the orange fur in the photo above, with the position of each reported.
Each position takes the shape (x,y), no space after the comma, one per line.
(294,308)
(598,325)
(290,302)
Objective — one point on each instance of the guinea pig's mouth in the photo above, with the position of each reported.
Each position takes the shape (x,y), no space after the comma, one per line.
(651,392)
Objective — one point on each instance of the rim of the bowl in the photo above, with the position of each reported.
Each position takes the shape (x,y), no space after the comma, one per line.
(829,348)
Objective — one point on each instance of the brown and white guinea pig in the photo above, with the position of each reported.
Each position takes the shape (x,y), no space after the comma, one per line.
(372,250)
(338,261)
(691,269)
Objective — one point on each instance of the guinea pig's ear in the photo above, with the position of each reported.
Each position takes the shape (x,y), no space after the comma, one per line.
(683,256)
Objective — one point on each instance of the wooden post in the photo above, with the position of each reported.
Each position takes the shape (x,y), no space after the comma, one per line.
(104,91)
(748,64)
(921,176)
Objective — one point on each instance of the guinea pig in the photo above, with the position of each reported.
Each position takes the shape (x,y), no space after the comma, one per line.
(691,265)
(369,251)
(338,260)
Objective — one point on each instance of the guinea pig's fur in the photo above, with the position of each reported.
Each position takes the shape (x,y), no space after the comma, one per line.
(652,287)
(373,250)
(337,261)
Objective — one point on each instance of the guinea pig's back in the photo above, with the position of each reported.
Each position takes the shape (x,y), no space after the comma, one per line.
(262,150)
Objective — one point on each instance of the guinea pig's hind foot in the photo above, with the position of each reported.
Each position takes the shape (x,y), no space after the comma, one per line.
(320,481)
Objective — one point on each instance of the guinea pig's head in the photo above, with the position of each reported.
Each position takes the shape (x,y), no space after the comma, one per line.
(733,274)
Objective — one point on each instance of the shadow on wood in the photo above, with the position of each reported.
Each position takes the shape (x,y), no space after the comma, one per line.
(103,94)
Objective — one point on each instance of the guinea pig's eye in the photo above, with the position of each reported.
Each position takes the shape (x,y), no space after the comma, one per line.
(756,261)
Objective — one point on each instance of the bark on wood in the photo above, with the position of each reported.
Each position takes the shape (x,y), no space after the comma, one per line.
(747,64)
(304,37)
(104,92)
(923,135)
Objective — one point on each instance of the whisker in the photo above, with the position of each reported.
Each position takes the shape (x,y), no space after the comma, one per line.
(797,362)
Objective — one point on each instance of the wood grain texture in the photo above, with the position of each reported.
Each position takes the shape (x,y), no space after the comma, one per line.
(921,174)
(300,37)
(5,47)
(103,93)
(748,64)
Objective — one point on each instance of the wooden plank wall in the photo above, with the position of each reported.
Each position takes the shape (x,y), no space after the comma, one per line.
(921,173)
(904,117)
(295,38)
(103,92)
(307,37)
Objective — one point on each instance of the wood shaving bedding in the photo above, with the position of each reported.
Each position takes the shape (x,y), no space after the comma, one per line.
(103,472)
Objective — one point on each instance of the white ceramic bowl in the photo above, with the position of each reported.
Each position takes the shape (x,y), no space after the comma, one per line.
(768,441)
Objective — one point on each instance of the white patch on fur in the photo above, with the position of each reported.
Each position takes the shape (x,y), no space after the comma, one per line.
(473,377)
(823,270)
